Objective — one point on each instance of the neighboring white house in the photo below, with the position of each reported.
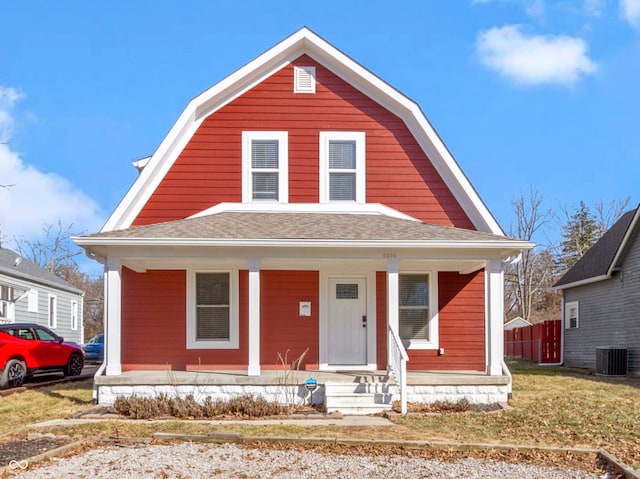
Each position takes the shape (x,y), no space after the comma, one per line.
(516,322)
(31,294)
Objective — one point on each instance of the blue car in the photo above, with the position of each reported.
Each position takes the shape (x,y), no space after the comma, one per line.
(94,349)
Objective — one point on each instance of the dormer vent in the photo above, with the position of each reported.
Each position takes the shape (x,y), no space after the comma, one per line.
(304,80)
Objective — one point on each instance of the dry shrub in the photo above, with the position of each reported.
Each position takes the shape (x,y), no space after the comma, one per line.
(463,405)
(161,406)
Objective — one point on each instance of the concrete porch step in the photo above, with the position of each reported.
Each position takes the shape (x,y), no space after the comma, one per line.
(358,398)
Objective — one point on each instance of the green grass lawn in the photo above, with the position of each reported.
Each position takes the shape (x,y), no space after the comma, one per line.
(552,406)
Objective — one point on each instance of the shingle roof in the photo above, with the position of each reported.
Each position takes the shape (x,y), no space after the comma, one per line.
(300,226)
(598,261)
(29,271)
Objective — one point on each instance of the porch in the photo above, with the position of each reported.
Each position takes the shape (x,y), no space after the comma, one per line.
(349,392)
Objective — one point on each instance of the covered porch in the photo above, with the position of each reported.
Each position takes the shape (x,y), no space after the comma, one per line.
(289,387)
(330,281)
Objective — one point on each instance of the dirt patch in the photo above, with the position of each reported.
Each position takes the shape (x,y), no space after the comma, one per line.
(19,450)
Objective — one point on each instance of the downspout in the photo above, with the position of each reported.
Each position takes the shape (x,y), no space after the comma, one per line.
(95,399)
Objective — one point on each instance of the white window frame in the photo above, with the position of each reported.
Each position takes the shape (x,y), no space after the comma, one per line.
(233,342)
(433,342)
(52,310)
(74,315)
(298,71)
(282,137)
(359,138)
(568,306)
(32,301)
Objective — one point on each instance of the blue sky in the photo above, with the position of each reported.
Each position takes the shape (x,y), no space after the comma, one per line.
(527,93)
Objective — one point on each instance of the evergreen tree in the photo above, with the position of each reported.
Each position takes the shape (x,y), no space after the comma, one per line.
(579,234)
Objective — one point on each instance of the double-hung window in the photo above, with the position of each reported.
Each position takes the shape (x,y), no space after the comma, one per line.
(417,323)
(342,167)
(265,166)
(212,310)
(571,315)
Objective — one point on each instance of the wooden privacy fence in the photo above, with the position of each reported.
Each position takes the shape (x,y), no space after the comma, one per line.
(540,342)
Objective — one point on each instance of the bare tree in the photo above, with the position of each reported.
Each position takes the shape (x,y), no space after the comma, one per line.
(607,215)
(527,282)
(54,250)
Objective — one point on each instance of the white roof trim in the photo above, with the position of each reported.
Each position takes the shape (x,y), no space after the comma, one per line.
(304,41)
(268,207)
(626,238)
(582,282)
(289,243)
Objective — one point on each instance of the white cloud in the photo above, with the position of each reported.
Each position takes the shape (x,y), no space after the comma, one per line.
(594,8)
(29,198)
(534,59)
(631,12)
(535,8)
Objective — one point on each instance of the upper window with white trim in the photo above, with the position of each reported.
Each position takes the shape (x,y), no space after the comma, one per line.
(571,315)
(212,310)
(265,166)
(342,166)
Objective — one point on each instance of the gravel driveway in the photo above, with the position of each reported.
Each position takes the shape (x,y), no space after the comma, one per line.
(192,460)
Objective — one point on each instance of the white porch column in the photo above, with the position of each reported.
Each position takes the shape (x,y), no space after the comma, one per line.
(495,317)
(393,294)
(254,317)
(113,313)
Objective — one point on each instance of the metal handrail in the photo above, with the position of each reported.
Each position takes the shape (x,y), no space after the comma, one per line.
(398,358)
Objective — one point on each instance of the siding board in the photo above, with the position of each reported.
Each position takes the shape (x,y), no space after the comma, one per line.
(398,172)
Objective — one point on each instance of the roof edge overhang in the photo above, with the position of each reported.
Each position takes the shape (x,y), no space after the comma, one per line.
(23,279)
(582,282)
(625,240)
(304,41)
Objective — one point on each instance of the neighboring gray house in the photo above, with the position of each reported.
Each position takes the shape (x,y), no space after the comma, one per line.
(29,293)
(601,298)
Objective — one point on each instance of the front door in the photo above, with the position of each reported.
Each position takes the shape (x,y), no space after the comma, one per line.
(347,321)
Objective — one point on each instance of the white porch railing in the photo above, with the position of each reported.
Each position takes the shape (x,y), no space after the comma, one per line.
(398,366)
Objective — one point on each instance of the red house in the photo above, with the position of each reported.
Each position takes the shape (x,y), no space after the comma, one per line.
(303,204)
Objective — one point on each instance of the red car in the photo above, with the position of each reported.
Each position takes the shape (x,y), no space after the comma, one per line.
(27,349)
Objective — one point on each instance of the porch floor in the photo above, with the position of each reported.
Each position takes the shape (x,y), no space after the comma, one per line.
(268,377)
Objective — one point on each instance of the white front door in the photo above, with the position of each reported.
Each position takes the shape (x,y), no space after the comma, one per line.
(347,322)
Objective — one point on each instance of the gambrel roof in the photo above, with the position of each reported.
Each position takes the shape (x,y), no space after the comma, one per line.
(302,42)
(605,256)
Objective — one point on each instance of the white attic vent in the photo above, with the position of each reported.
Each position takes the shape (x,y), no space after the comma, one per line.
(304,80)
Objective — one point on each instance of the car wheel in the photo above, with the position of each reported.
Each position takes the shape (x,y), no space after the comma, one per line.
(13,375)
(74,366)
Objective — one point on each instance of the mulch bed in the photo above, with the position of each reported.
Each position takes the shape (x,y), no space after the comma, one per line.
(19,450)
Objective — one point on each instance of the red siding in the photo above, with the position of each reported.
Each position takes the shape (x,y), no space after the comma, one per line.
(154,324)
(208,171)
(461,325)
(282,329)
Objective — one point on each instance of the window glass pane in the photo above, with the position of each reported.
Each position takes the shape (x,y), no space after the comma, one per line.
(414,307)
(342,186)
(264,154)
(342,155)
(414,324)
(265,186)
(414,290)
(212,289)
(212,323)
(212,306)
(45,335)
(347,291)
